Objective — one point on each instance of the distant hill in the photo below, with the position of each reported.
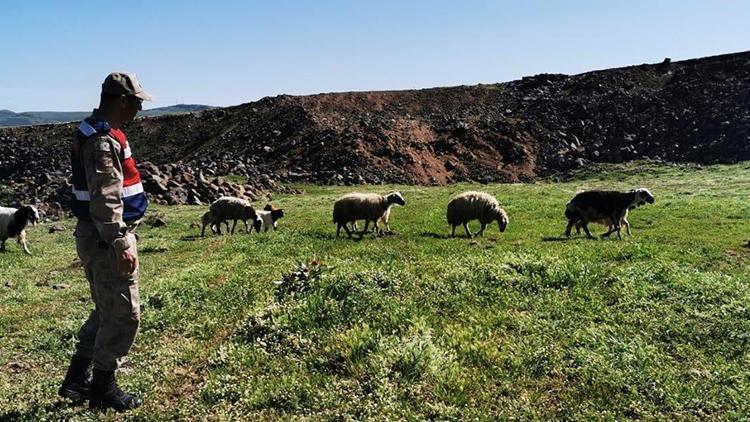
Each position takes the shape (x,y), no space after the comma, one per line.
(30,118)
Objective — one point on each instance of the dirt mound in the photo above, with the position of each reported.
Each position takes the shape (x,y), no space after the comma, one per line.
(689,111)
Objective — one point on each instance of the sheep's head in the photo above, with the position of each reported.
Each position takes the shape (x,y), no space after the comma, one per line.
(502,219)
(269,207)
(31,214)
(276,213)
(642,196)
(395,198)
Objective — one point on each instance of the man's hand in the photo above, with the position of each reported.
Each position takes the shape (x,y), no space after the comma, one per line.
(127,262)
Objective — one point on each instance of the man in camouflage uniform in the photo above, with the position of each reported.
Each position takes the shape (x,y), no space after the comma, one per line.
(109,199)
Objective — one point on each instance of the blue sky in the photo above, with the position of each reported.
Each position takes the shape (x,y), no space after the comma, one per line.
(54,54)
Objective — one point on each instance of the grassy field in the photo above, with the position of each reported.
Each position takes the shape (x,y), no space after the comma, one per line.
(522,325)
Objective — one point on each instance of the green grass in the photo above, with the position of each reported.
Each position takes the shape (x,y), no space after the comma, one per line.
(522,325)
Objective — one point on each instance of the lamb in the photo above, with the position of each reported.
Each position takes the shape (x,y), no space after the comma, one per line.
(383,220)
(608,207)
(13,223)
(208,219)
(363,206)
(480,206)
(230,208)
(269,215)
(606,222)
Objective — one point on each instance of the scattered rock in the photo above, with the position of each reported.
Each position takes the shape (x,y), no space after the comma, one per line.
(18,366)
(542,125)
(53,229)
(156,221)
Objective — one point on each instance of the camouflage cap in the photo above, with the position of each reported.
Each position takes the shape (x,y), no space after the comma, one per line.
(123,83)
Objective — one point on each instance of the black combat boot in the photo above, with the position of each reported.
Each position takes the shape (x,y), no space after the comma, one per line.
(77,383)
(105,394)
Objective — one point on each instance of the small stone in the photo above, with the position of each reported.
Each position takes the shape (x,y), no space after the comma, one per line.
(18,366)
(53,229)
(156,221)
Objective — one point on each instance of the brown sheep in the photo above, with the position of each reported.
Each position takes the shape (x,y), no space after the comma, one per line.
(230,208)
(475,206)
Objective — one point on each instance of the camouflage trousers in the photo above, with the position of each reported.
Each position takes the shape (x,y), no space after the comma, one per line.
(111,327)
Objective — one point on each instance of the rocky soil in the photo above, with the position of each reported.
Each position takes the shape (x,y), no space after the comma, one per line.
(690,111)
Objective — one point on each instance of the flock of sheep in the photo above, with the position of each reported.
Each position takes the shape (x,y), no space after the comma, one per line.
(609,208)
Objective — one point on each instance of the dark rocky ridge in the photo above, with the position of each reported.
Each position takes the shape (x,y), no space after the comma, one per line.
(689,111)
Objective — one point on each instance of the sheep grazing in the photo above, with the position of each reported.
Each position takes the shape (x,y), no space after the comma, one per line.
(363,206)
(604,207)
(13,222)
(229,208)
(269,215)
(470,206)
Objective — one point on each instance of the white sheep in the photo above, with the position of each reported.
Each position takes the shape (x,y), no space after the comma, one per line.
(230,208)
(13,222)
(269,215)
(470,206)
(363,206)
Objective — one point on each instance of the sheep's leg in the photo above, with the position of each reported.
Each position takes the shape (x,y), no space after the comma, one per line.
(481,229)
(247,230)
(338,229)
(466,229)
(618,227)
(610,231)
(22,242)
(578,228)
(570,226)
(586,229)
(346,229)
(627,225)
(367,225)
(203,230)
(2,245)
(453,230)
